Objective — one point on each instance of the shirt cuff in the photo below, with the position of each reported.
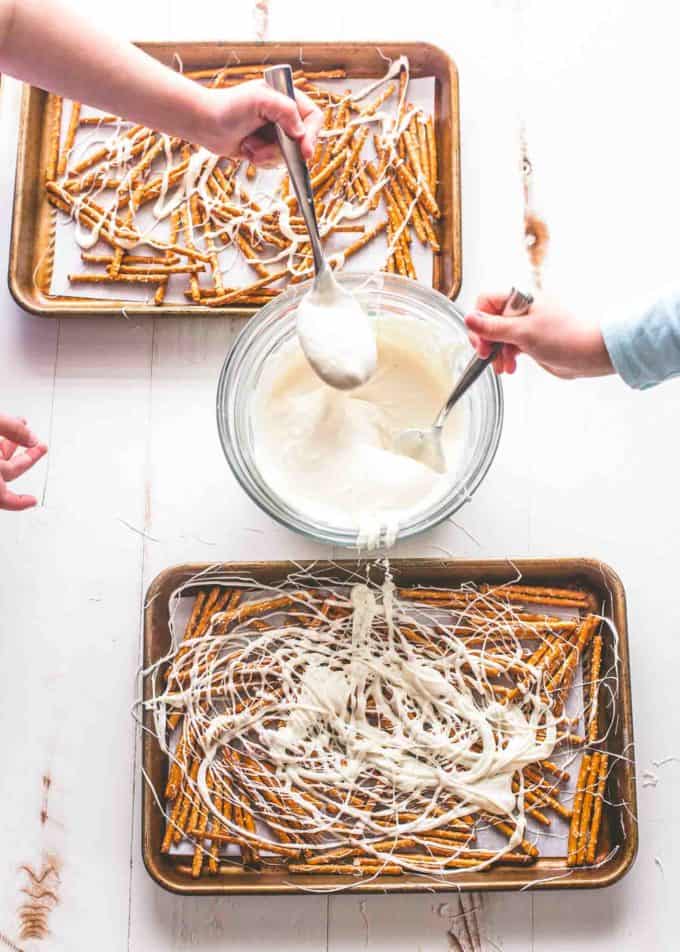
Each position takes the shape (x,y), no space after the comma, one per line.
(645,349)
(618,341)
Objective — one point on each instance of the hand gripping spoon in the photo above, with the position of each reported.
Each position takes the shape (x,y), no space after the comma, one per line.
(335,332)
(425,446)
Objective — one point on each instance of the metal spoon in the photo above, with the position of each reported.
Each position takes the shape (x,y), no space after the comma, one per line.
(425,445)
(336,335)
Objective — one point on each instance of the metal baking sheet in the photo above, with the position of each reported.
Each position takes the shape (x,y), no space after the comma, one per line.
(33,229)
(619,827)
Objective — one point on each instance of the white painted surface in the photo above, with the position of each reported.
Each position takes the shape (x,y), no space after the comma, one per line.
(585,468)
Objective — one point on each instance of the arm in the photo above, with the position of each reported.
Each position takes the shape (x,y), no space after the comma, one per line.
(644,350)
(48,45)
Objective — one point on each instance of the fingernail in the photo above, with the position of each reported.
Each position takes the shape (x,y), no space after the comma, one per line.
(247,151)
(32,439)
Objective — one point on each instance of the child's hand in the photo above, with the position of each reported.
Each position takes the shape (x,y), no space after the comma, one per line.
(237,116)
(555,338)
(15,433)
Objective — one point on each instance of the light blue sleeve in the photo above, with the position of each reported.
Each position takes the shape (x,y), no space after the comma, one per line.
(645,350)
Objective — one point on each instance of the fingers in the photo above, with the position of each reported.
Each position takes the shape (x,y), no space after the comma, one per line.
(21,463)
(13,502)
(7,448)
(313,120)
(263,154)
(275,107)
(483,347)
(506,362)
(492,303)
(16,431)
(507,330)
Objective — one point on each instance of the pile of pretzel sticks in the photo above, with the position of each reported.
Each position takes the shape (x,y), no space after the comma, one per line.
(376,152)
(243,791)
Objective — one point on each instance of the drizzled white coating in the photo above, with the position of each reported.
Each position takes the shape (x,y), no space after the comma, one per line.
(358,710)
(244,214)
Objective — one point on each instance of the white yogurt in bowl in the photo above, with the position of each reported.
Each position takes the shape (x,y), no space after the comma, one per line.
(320,460)
(330,453)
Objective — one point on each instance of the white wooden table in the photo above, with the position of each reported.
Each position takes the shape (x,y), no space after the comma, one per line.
(135,481)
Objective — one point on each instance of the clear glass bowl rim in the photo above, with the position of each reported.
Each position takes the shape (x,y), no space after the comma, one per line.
(273,505)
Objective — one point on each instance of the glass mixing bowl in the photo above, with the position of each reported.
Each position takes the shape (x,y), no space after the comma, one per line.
(274,326)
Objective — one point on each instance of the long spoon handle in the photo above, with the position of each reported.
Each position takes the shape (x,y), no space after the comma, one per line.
(280,78)
(516,305)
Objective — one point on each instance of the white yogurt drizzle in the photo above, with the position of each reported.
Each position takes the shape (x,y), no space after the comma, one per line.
(443,747)
(201,165)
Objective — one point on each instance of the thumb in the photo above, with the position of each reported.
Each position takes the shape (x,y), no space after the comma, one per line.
(507,330)
(275,107)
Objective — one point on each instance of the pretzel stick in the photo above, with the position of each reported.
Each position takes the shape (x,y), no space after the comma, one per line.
(509,831)
(70,138)
(186,798)
(95,180)
(377,103)
(364,240)
(240,70)
(351,159)
(199,852)
(423,150)
(264,845)
(171,823)
(545,799)
(105,151)
(117,279)
(555,770)
(117,258)
(105,120)
(220,300)
(593,705)
(129,259)
(323,174)
(159,296)
(587,808)
(264,294)
(387,869)
(54,138)
(214,851)
(573,844)
(432,152)
(570,598)
(250,255)
(173,785)
(597,810)
(426,195)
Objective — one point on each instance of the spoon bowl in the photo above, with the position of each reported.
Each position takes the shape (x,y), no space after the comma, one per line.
(425,445)
(335,332)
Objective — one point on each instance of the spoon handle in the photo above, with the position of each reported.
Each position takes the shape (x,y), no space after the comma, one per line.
(516,305)
(280,78)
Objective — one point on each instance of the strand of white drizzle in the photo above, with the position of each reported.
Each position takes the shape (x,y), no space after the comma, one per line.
(449,735)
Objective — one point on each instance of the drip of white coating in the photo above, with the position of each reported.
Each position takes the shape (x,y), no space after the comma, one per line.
(336,334)
(200,167)
(444,746)
(393,71)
